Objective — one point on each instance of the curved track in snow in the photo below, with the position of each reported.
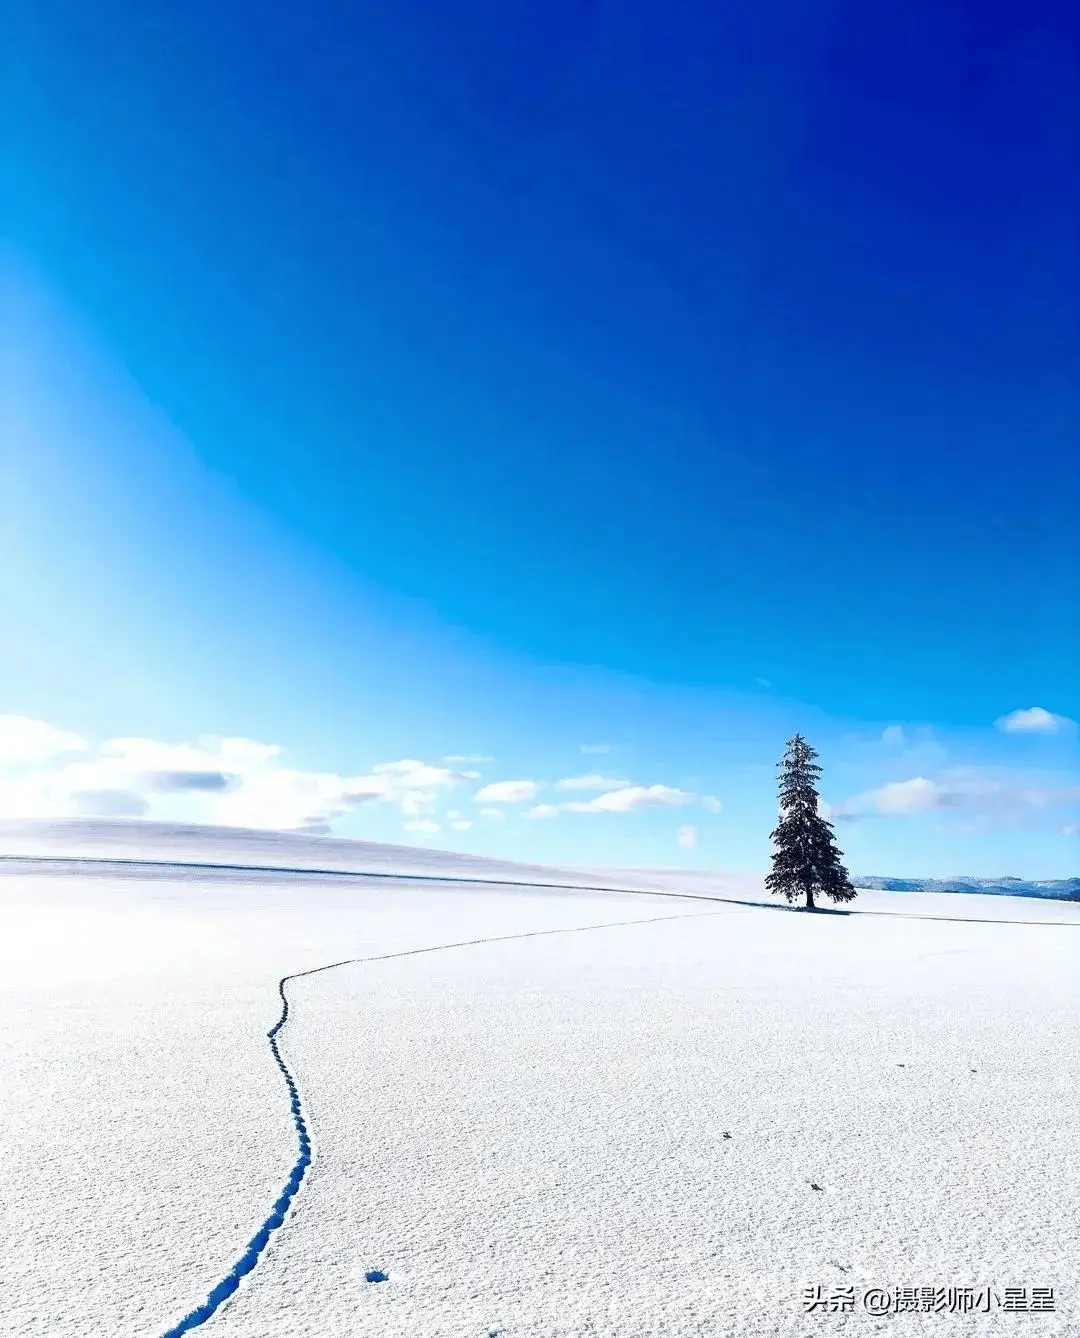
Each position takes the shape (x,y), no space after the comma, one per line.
(258,1243)
(278,1215)
(230,1283)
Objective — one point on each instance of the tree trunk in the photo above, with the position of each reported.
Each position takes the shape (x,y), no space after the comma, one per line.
(809,898)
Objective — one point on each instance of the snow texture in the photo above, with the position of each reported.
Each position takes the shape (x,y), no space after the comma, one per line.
(530,1113)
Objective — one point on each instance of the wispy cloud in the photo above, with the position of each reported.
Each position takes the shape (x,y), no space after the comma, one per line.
(632,797)
(688,836)
(989,800)
(466,758)
(231,781)
(107,804)
(26,741)
(508,792)
(493,814)
(424,825)
(205,782)
(1034,720)
(916,795)
(618,796)
(893,736)
(592,781)
(414,785)
(542,811)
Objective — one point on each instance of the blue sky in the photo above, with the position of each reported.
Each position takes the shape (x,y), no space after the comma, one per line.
(408,381)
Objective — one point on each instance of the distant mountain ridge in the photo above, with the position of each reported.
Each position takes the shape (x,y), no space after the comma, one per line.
(1061,889)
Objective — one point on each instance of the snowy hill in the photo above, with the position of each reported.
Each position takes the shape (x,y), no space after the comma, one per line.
(124,840)
(177,843)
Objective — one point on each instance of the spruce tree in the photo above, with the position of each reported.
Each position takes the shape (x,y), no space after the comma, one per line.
(806,857)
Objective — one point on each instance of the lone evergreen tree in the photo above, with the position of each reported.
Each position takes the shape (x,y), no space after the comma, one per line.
(806,857)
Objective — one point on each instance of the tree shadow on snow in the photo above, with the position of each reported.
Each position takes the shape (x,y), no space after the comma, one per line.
(781,906)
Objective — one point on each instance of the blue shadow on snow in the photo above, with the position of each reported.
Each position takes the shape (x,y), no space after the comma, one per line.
(247,1261)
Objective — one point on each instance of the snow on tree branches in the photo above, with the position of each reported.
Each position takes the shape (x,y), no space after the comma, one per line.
(806,858)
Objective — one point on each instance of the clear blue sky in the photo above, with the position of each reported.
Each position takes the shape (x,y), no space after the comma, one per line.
(412,379)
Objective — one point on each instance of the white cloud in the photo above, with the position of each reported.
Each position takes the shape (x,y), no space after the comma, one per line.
(713,804)
(595,749)
(134,776)
(616,796)
(542,811)
(461,825)
(893,736)
(419,801)
(1071,829)
(416,786)
(590,782)
(1034,720)
(466,758)
(493,814)
(24,740)
(911,796)
(415,775)
(632,797)
(422,825)
(152,755)
(231,781)
(286,798)
(688,836)
(508,792)
(107,804)
(991,801)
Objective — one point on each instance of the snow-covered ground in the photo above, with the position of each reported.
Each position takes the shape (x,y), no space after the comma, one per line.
(603,1114)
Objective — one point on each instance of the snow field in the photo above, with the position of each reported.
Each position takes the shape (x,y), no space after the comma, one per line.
(528,1136)
(146,1123)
